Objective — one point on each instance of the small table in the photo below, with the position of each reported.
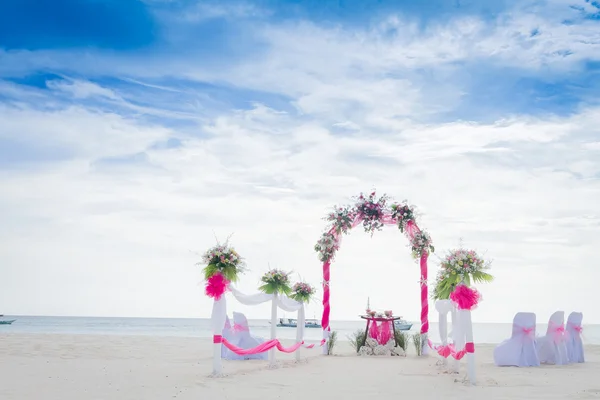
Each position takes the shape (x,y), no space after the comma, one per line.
(380,319)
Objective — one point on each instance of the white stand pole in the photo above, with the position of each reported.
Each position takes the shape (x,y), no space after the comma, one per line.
(273,329)
(326,337)
(218,316)
(443,321)
(300,330)
(458,337)
(467,325)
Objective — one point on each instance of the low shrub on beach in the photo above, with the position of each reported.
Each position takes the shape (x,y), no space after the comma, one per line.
(331,342)
(418,341)
(357,339)
(402,339)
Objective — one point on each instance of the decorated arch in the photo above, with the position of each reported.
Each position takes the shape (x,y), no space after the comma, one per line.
(373,213)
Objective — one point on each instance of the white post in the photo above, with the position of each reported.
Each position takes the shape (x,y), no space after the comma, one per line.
(326,338)
(467,328)
(458,338)
(218,316)
(443,321)
(300,330)
(273,328)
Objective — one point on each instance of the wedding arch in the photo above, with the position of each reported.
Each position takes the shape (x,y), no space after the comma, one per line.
(373,213)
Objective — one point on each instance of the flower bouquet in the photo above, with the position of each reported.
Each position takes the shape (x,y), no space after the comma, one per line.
(224,260)
(388,313)
(421,243)
(341,218)
(460,266)
(372,211)
(276,282)
(302,292)
(326,247)
(403,214)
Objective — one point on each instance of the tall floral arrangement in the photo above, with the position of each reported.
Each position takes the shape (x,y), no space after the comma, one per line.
(302,292)
(276,281)
(460,266)
(223,259)
(222,266)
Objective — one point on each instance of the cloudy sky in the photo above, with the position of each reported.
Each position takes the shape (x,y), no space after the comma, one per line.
(132,133)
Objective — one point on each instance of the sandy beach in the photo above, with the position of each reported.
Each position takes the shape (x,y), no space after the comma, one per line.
(53,367)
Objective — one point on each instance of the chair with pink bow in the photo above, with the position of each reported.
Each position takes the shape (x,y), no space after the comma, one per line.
(552,348)
(573,338)
(245,340)
(520,349)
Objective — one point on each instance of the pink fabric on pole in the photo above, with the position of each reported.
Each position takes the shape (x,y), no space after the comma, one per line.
(424,295)
(385,332)
(374,331)
(470,347)
(326,306)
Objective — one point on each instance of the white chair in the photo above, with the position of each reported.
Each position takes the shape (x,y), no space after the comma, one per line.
(573,338)
(232,338)
(245,340)
(520,350)
(552,348)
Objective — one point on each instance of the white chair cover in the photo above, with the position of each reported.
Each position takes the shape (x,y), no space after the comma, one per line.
(552,348)
(573,338)
(232,338)
(241,334)
(520,349)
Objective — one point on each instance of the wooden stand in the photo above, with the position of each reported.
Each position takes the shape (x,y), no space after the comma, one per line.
(380,319)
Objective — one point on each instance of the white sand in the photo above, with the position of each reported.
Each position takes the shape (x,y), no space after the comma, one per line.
(81,367)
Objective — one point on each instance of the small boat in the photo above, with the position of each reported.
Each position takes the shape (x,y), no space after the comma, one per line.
(7,322)
(293,323)
(402,325)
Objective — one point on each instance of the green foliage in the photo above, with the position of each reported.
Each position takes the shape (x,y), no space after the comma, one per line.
(445,286)
(331,342)
(275,287)
(418,340)
(402,339)
(229,271)
(357,339)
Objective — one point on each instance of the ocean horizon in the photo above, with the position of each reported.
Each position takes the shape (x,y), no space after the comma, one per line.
(484,333)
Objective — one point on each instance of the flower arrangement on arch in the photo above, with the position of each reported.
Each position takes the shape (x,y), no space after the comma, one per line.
(276,281)
(326,247)
(460,266)
(302,292)
(371,210)
(421,243)
(341,218)
(222,259)
(403,214)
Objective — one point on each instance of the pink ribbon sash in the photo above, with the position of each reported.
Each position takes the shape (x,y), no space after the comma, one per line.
(261,348)
(240,328)
(385,332)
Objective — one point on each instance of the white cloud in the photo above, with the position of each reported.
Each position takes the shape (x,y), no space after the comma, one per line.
(121,233)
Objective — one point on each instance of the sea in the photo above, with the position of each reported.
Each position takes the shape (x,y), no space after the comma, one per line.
(489,333)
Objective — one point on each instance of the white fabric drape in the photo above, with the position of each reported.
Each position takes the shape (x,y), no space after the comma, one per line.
(575,352)
(287,304)
(283,302)
(250,299)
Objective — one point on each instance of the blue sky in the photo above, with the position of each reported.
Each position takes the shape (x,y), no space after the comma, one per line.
(134,131)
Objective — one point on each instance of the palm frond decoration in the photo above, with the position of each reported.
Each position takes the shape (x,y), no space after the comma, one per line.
(276,281)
